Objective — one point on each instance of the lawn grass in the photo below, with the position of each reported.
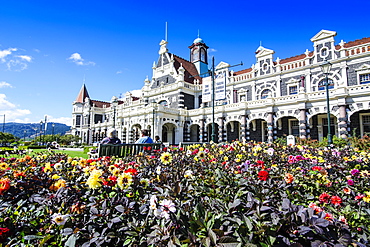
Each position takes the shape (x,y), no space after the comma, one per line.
(68,152)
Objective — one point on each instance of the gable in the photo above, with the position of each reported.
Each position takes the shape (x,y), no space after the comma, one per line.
(323,34)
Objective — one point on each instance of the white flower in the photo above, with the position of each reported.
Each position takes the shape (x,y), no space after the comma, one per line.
(58,166)
(59,219)
(158,170)
(153,202)
(188,174)
(167,206)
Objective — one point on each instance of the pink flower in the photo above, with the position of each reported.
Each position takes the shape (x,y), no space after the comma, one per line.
(350,182)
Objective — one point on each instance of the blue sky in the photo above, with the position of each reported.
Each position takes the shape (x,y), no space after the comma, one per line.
(47,48)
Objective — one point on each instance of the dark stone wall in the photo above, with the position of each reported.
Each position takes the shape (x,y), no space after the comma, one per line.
(167,79)
(189,101)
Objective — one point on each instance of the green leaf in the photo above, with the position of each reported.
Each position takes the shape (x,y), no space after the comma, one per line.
(212,235)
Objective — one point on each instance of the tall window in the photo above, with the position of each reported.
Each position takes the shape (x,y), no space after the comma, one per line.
(294,127)
(364,78)
(365,119)
(322,84)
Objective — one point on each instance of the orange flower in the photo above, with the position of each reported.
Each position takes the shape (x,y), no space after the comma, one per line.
(289,178)
(4,185)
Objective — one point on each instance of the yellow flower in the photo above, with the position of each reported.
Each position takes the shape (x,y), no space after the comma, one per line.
(69,160)
(48,168)
(367,197)
(166,158)
(60,183)
(3,166)
(55,176)
(74,162)
(226,158)
(93,182)
(124,180)
(221,152)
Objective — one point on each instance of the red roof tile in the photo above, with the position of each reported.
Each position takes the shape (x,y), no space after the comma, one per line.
(291,59)
(82,95)
(190,72)
(357,42)
(242,71)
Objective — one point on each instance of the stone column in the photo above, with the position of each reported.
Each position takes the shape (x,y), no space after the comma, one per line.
(243,128)
(343,133)
(221,130)
(270,127)
(186,131)
(302,124)
(201,130)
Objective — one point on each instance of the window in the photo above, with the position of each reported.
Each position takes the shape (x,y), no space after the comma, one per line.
(265,93)
(365,124)
(324,52)
(293,89)
(265,67)
(163,102)
(322,84)
(294,127)
(364,78)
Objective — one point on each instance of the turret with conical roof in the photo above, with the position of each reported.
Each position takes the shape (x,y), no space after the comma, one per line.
(82,95)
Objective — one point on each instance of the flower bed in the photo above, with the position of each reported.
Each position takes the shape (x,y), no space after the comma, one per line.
(212,195)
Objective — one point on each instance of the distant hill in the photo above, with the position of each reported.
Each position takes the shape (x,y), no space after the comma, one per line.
(28,130)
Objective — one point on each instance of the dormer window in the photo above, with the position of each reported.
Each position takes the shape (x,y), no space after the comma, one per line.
(265,66)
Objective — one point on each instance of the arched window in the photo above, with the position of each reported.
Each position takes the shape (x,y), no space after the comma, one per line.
(322,84)
(265,93)
(163,102)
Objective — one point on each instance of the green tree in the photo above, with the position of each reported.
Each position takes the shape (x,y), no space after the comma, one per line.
(67,139)
(7,137)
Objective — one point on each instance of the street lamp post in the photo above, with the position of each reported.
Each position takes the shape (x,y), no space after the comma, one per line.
(153,118)
(52,130)
(325,68)
(114,104)
(40,130)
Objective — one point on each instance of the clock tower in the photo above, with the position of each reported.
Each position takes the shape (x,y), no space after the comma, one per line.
(198,55)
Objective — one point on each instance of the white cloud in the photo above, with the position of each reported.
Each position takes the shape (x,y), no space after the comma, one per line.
(64,120)
(25,57)
(77,59)
(212,50)
(16,65)
(5,53)
(119,72)
(13,61)
(10,110)
(5,84)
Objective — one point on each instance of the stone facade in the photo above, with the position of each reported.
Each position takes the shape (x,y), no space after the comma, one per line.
(272,99)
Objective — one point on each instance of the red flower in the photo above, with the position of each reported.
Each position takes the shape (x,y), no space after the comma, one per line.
(316,168)
(336,200)
(324,198)
(133,171)
(263,175)
(4,185)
